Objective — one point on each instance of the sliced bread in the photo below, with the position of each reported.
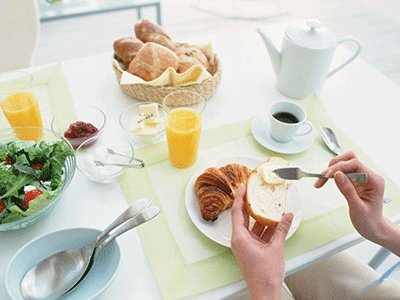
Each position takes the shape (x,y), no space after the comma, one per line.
(266,193)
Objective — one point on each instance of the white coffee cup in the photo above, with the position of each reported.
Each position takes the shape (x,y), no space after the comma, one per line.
(287,120)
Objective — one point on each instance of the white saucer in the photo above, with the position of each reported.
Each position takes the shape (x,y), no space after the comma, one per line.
(260,130)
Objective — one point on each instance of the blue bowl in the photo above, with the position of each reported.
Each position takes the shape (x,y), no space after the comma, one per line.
(101,275)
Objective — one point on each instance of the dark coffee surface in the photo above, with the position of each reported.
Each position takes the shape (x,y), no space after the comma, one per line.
(286,117)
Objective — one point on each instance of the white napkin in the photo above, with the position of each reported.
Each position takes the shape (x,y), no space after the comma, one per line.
(195,74)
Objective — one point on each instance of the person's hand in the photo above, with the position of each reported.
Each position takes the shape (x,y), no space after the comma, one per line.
(365,199)
(259,252)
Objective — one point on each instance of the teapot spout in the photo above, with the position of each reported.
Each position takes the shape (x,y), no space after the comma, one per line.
(274,54)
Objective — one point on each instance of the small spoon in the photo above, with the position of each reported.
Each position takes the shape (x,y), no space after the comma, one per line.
(57,274)
(142,217)
(330,140)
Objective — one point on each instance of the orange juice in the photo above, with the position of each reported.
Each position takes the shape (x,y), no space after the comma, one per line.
(22,109)
(183,128)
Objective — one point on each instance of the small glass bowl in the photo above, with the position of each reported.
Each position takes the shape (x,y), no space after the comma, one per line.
(90,114)
(125,120)
(69,171)
(85,157)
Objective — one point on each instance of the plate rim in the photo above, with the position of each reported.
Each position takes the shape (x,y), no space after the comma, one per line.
(226,160)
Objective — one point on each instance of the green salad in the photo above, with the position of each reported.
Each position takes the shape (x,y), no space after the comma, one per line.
(31,175)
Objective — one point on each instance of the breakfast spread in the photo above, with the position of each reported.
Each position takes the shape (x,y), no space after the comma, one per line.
(152,52)
(147,121)
(216,188)
(79,132)
(266,193)
(31,176)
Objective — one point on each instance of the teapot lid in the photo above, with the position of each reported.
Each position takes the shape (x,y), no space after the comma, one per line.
(311,35)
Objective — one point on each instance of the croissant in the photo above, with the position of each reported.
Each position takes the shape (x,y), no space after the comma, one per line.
(216,188)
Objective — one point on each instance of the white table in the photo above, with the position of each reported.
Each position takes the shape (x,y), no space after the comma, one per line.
(360,100)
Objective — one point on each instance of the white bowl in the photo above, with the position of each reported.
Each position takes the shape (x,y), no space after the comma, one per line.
(101,275)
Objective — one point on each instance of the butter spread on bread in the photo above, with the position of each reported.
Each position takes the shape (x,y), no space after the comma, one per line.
(265,199)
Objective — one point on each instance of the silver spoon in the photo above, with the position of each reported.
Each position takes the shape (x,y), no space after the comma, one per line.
(57,274)
(140,218)
(330,140)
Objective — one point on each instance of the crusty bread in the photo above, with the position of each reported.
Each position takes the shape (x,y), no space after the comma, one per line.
(148,31)
(190,56)
(125,49)
(266,201)
(152,60)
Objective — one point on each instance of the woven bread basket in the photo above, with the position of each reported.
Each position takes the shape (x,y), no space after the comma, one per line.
(156,94)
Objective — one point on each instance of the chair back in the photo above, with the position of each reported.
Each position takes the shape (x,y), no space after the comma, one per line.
(19,33)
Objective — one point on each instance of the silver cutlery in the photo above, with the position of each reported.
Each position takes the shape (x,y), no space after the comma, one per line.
(57,274)
(140,218)
(101,164)
(330,140)
(112,152)
(295,173)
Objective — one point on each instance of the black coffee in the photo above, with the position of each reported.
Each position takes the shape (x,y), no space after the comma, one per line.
(286,117)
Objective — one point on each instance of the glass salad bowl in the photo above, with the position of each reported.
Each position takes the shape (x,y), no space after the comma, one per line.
(36,167)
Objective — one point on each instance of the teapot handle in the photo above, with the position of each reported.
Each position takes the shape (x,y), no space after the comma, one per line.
(341,40)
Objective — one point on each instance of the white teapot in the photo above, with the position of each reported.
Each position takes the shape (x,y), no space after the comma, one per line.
(303,64)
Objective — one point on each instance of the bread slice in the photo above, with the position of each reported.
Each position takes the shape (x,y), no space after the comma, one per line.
(266,194)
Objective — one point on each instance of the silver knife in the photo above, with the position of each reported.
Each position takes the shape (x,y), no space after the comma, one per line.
(294,173)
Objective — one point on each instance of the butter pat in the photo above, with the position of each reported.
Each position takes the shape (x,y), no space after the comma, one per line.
(150,111)
(137,123)
(268,175)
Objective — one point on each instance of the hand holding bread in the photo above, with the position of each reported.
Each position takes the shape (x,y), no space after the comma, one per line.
(259,252)
(266,195)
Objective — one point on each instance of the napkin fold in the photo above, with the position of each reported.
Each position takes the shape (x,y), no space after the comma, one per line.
(195,74)
(183,260)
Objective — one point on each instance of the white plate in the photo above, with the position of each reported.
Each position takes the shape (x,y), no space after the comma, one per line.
(260,130)
(220,230)
(102,273)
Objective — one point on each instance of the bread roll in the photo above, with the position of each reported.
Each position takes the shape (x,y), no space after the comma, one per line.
(125,49)
(148,31)
(266,193)
(190,56)
(152,60)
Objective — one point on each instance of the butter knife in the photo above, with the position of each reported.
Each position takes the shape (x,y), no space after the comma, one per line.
(295,173)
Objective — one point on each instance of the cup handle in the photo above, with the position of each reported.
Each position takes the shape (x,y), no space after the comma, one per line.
(310,128)
(355,54)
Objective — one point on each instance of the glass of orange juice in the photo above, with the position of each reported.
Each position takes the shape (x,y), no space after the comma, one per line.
(182,118)
(19,104)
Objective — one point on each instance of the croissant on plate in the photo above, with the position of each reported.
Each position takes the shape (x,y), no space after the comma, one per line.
(216,188)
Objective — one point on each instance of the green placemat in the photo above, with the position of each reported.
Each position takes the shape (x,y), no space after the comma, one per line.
(183,260)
